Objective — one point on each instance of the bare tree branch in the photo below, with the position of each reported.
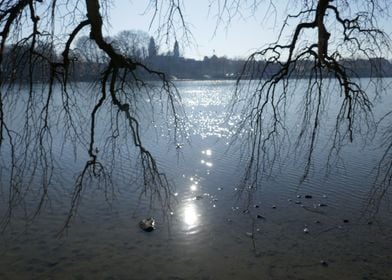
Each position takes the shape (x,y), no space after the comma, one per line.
(33,53)
(322,61)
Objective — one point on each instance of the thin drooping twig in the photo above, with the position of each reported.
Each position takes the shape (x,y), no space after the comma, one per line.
(39,55)
(269,78)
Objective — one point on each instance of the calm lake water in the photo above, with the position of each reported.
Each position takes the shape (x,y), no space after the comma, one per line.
(211,232)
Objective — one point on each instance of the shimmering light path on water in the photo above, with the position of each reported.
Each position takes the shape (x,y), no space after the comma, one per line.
(213,231)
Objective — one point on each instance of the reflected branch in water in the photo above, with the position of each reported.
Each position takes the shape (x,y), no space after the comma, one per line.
(383,170)
(269,84)
(39,101)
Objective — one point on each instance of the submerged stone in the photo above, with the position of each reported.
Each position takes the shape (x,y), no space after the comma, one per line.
(147,224)
(323,263)
(308,196)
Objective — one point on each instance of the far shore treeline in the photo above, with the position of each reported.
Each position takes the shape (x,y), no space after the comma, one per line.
(88,62)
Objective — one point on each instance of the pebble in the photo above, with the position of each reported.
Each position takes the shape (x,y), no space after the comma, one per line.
(322,205)
(147,224)
(306,230)
(308,196)
(273,207)
(323,263)
(346,221)
(52,264)
(260,217)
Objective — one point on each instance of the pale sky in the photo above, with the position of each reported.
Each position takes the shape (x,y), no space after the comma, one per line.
(238,39)
(242,36)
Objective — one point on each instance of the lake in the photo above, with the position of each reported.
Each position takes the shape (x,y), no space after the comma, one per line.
(321,228)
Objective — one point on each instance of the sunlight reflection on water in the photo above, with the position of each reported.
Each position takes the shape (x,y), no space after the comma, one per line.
(206,109)
(193,187)
(190,218)
(210,230)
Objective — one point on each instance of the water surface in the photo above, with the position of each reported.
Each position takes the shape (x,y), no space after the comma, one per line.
(211,232)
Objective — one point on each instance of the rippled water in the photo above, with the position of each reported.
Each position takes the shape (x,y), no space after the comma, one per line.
(210,233)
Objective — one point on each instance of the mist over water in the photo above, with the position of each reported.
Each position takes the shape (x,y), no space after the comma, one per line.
(212,231)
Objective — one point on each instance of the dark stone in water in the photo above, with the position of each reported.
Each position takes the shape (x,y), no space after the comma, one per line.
(256,206)
(260,217)
(147,224)
(322,205)
(346,221)
(273,207)
(52,264)
(323,263)
(298,202)
(308,196)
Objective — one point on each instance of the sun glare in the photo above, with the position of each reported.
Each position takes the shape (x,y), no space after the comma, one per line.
(191,216)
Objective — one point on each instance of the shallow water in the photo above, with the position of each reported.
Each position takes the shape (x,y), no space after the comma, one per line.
(212,232)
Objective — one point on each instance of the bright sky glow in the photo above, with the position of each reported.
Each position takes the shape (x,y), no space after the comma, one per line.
(238,39)
(245,33)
